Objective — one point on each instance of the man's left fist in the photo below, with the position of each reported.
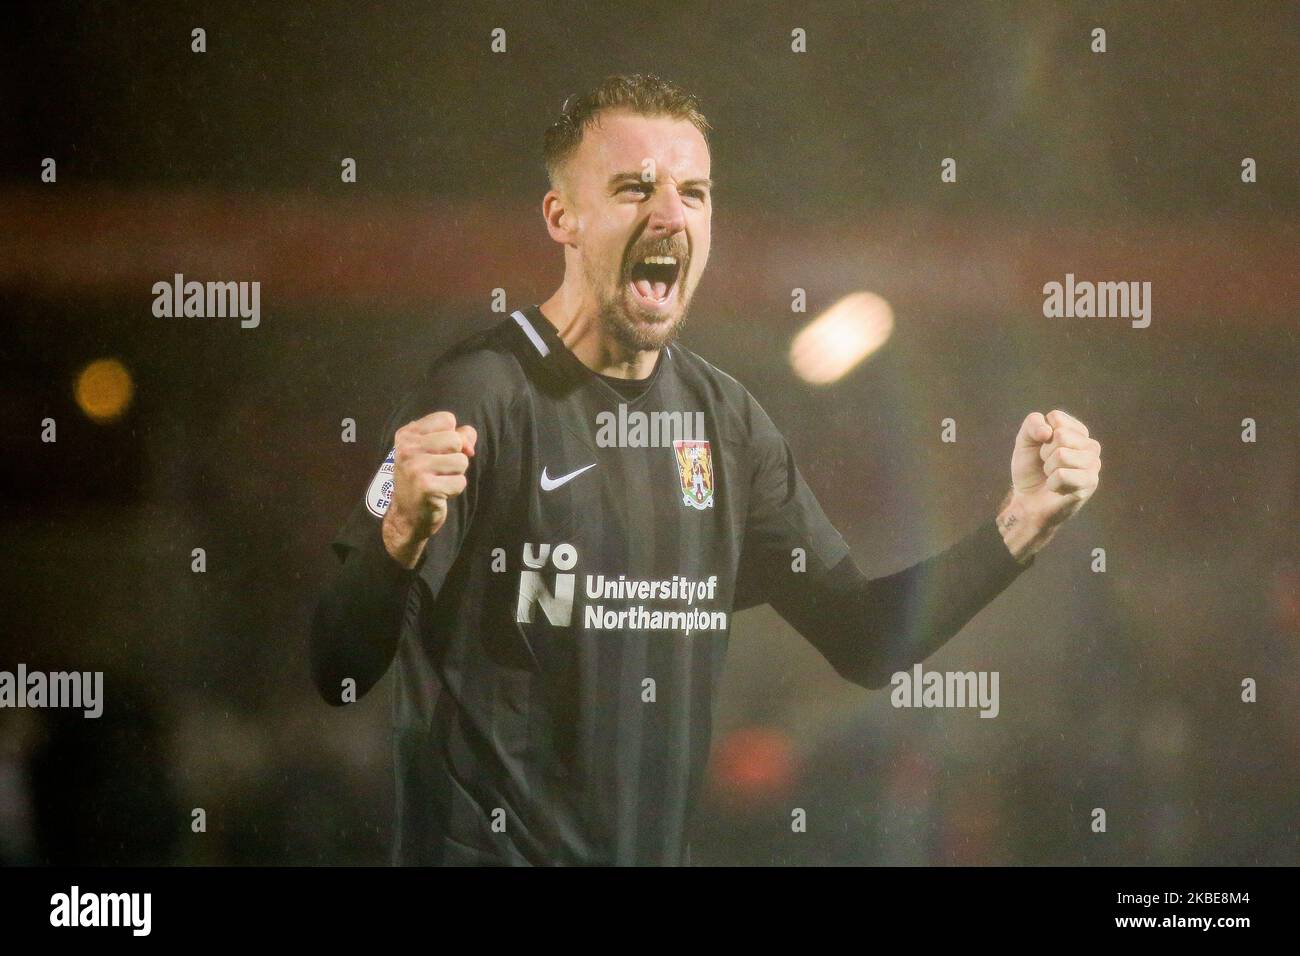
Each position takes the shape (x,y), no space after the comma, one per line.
(1055,468)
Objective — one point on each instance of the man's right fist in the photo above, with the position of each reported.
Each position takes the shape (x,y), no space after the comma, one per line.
(429,461)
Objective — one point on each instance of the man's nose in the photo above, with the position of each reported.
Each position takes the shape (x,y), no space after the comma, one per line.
(667,214)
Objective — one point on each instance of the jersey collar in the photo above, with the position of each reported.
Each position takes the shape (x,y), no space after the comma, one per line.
(547,346)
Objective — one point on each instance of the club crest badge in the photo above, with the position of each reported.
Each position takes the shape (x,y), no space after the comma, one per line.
(380,493)
(695,473)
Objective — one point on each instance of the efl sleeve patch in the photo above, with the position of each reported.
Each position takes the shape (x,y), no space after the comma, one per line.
(380,493)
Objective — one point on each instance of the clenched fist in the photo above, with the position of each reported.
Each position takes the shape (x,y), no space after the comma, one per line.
(1055,468)
(430,458)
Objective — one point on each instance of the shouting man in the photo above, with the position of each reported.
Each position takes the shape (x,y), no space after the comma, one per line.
(558,593)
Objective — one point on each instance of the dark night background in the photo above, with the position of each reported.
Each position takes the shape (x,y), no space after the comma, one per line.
(1118,690)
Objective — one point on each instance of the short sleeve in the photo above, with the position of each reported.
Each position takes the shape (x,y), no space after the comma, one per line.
(460,385)
(788,539)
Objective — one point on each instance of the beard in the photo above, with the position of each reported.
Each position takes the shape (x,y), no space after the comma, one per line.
(637,329)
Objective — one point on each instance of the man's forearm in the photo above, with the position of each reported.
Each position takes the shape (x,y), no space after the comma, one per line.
(358,620)
(870,628)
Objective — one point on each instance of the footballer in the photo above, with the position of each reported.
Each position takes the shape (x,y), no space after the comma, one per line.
(570,507)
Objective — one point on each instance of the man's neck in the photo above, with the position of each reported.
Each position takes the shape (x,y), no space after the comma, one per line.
(581,331)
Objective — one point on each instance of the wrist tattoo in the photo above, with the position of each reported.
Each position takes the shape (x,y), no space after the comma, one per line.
(1008,522)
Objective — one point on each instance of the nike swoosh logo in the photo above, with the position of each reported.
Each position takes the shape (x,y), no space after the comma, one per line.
(550,484)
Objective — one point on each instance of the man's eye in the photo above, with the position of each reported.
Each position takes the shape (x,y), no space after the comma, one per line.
(639,187)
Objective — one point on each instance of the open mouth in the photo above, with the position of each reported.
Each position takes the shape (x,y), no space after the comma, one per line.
(653,280)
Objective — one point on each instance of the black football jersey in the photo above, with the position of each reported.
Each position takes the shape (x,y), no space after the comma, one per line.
(564,642)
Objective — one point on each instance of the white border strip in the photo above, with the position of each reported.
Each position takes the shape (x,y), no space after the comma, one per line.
(530,332)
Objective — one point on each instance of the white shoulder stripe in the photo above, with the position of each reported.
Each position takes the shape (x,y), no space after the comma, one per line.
(531,333)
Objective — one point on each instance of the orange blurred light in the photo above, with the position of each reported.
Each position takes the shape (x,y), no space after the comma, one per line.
(753,764)
(848,332)
(104,389)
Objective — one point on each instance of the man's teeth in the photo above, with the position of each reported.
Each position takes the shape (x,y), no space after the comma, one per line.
(655,288)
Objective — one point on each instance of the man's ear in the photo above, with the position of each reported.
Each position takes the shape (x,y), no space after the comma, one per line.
(558,216)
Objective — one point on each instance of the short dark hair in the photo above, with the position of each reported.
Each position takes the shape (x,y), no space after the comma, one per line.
(643,93)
